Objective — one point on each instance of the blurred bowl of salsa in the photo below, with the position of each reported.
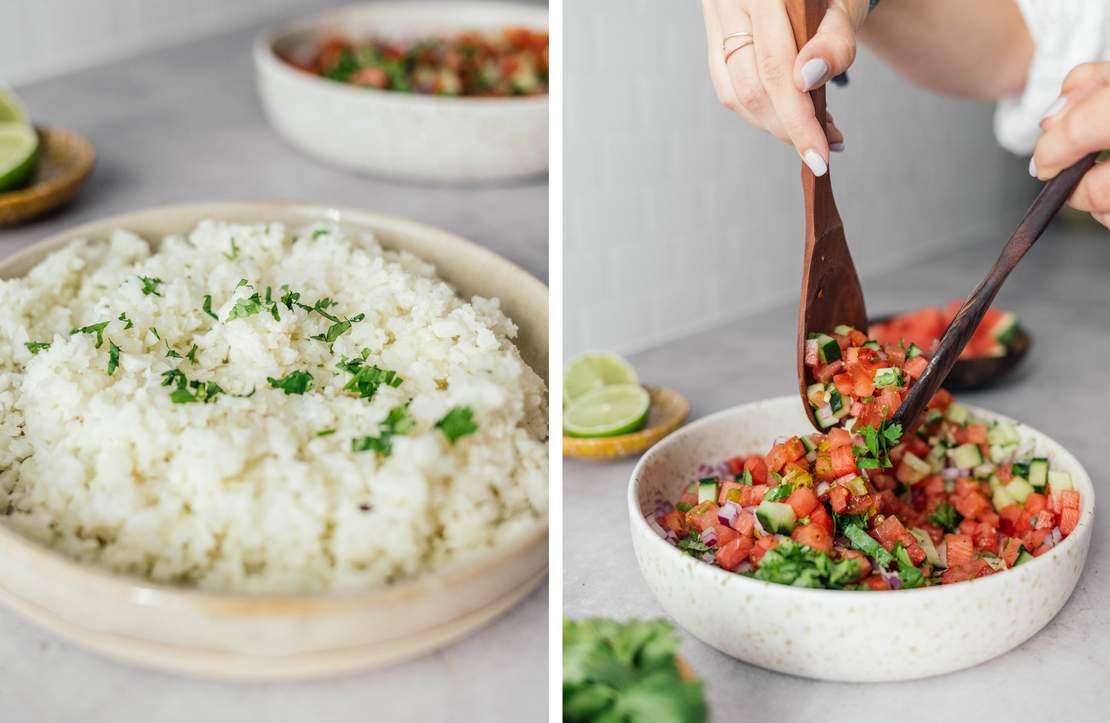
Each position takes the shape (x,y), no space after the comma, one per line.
(428,91)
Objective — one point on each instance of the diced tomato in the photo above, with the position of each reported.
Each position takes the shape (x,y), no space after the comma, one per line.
(843,383)
(688,498)
(803,500)
(823,468)
(674,521)
(965,486)
(1069,500)
(876,583)
(972,505)
(839,438)
(857,337)
(827,371)
(813,535)
(940,400)
(889,401)
(820,517)
(986,538)
(1010,551)
(967,527)
(752,495)
(703,516)
(891,531)
(760,548)
(1010,515)
(725,534)
(757,467)
(730,556)
(843,461)
(1045,520)
(861,559)
(962,573)
(736,466)
(1069,518)
(745,523)
(782,454)
(838,499)
(722,498)
(1005,473)
(960,549)
(1034,503)
(915,367)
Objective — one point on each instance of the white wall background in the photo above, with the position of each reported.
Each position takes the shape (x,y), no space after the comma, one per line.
(39,38)
(679,216)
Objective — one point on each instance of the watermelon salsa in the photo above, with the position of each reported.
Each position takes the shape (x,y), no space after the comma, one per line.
(924,327)
(865,506)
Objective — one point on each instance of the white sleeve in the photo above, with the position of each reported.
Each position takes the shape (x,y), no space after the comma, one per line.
(1066,33)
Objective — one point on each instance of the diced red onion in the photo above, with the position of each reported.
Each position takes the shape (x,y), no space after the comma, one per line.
(657,527)
(709,536)
(983,470)
(745,566)
(825,412)
(1056,535)
(950,473)
(662,508)
(811,357)
(727,515)
(891,578)
(845,479)
(811,456)
(822,489)
(709,557)
(672,537)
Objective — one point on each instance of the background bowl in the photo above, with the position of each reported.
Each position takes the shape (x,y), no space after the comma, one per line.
(262,636)
(400,134)
(836,634)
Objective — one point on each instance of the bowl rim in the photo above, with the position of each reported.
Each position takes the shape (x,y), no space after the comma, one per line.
(266,59)
(640,526)
(50,561)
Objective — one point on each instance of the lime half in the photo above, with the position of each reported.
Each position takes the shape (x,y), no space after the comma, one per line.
(11,110)
(607,412)
(592,371)
(19,145)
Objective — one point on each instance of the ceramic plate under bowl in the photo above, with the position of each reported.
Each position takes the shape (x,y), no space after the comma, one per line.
(262,636)
(837,634)
(669,410)
(65,161)
(403,135)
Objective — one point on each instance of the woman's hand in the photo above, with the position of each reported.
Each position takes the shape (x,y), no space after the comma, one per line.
(1077,124)
(767,82)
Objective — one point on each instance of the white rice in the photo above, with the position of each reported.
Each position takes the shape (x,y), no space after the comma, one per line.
(240,492)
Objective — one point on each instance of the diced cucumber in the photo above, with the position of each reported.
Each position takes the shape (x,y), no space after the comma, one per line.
(867,544)
(1038,473)
(921,469)
(926,542)
(931,416)
(856,486)
(913,350)
(1020,469)
(956,413)
(995,483)
(1002,452)
(936,456)
(983,471)
(808,443)
(826,418)
(1003,433)
(1005,329)
(775,517)
(1002,498)
(708,489)
(1023,557)
(966,456)
(888,377)
(815,393)
(842,329)
(1019,489)
(872,344)
(828,350)
(1059,480)
(836,400)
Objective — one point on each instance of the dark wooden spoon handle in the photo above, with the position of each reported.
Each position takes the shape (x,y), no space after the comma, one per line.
(966,321)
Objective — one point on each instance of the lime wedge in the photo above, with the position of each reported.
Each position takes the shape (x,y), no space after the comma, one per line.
(11,110)
(609,411)
(19,145)
(592,371)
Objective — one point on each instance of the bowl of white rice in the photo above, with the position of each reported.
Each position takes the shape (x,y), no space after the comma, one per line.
(260,440)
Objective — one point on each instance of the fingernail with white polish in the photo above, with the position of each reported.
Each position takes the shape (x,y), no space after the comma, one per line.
(837,147)
(1033,167)
(815,162)
(814,72)
(1055,107)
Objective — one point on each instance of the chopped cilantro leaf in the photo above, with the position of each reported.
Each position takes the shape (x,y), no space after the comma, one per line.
(192,355)
(245,307)
(36,346)
(398,421)
(789,563)
(206,307)
(181,395)
(326,432)
(155,332)
(234,254)
(868,545)
(113,358)
(945,517)
(907,571)
(295,382)
(692,545)
(97,329)
(779,492)
(318,233)
(368,379)
(172,377)
(150,285)
(334,332)
(457,423)
(127,322)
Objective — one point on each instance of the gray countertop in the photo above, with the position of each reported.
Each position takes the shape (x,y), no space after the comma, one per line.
(1063,672)
(184,124)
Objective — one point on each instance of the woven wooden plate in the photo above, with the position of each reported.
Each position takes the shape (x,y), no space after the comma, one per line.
(65,160)
(669,410)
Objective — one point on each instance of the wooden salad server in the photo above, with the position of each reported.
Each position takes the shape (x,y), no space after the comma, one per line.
(963,325)
(831,292)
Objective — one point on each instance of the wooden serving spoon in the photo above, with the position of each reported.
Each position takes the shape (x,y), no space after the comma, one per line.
(831,292)
(967,319)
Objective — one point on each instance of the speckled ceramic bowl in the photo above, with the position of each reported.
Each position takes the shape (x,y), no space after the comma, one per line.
(269,636)
(832,634)
(403,135)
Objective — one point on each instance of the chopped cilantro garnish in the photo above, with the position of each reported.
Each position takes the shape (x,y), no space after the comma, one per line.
(868,545)
(907,571)
(692,545)
(295,382)
(945,517)
(789,563)
(878,443)
(326,432)
(113,358)
(234,254)
(318,233)
(126,322)
(368,379)
(36,346)
(245,307)
(97,329)
(459,422)
(206,307)
(399,421)
(334,331)
(171,353)
(779,492)
(190,391)
(746,478)
(841,522)
(150,285)
(192,355)
(155,332)
(290,297)
(174,376)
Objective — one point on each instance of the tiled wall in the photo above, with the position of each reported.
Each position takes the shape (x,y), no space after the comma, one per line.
(39,38)
(678,215)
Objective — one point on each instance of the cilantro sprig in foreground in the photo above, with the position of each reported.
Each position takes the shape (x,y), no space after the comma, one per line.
(627,671)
